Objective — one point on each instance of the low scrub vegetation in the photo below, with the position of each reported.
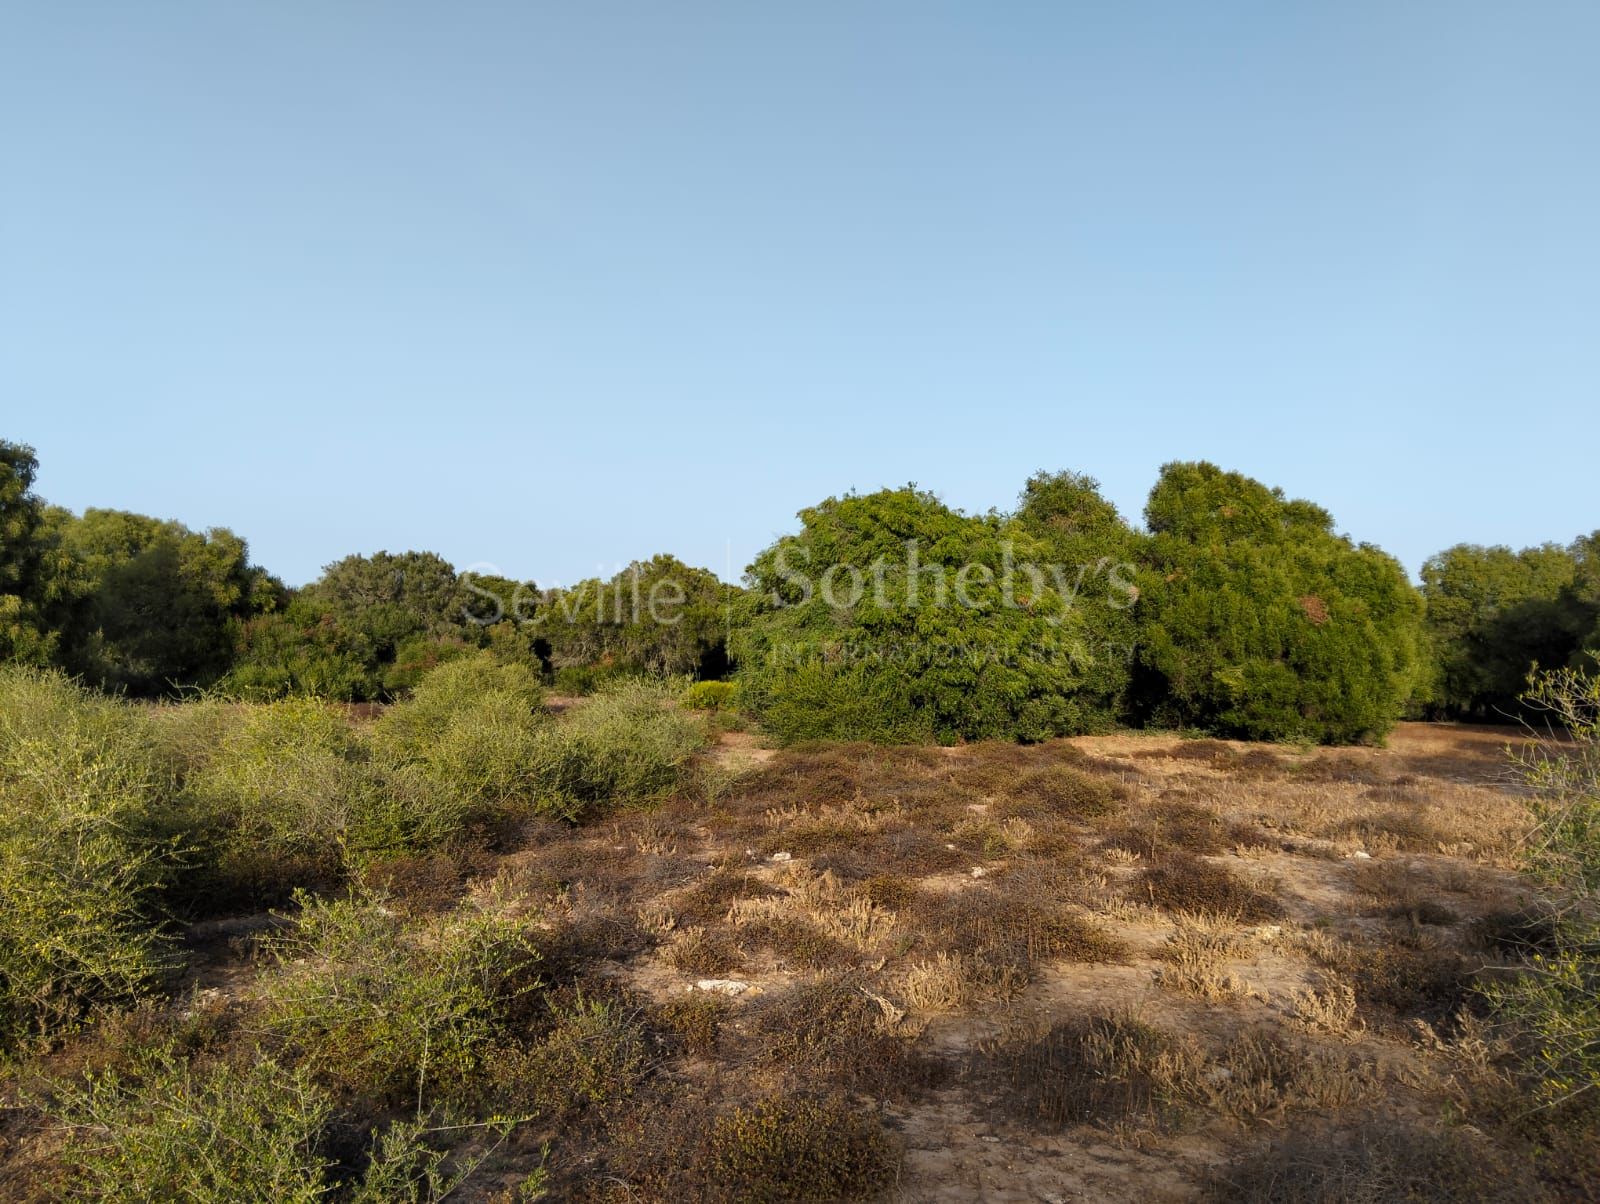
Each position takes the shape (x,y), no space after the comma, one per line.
(88,839)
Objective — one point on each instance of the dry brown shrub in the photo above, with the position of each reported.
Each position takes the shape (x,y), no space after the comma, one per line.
(1395,890)
(1376,1160)
(1190,884)
(1425,983)
(691,1021)
(1059,791)
(1096,1069)
(704,954)
(1195,958)
(832,1029)
(709,899)
(1262,1074)
(1001,932)
(891,891)
(1329,1009)
(1171,825)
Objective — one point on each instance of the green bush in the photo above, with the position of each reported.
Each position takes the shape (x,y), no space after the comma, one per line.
(220,1136)
(627,744)
(711,696)
(285,797)
(1257,621)
(297,651)
(1099,554)
(85,798)
(593,1054)
(961,642)
(1554,1005)
(470,734)
(417,657)
(232,1134)
(391,1012)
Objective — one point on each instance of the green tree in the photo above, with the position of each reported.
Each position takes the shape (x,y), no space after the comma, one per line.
(30,565)
(654,616)
(1257,620)
(387,598)
(891,616)
(1492,615)
(158,604)
(1580,604)
(1094,557)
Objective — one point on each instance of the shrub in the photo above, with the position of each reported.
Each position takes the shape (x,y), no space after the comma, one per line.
(83,797)
(1256,620)
(1098,553)
(1187,883)
(656,616)
(1380,1161)
(947,638)
(469,736)
(299,651)
(794,1149)
(385,1011)
(1554,1006)
(625,745)
(1097,1068)
(593,1055)
(285,794)
(219,1136)
(418,656)
(234,1134)
(711,696)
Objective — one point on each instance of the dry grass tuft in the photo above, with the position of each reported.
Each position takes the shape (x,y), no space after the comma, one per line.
(1195,959)
(1330,1010)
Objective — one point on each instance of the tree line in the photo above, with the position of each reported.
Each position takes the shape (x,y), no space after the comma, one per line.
(1232,609)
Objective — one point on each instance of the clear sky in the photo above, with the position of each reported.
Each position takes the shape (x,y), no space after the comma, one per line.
(553,286)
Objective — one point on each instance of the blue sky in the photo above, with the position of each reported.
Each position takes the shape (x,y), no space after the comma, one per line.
(555,286)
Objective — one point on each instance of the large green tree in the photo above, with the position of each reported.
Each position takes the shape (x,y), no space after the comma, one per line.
(24,634)
(1257,620)
(1493,614)
(1094,557)
(890,616)
(157,605)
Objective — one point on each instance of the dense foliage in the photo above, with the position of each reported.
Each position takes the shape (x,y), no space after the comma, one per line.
(887,616)
(1553,1006)
(891,616)
(1257,620)
(1099,554)
(1495,614)
(86,843)
(654,616)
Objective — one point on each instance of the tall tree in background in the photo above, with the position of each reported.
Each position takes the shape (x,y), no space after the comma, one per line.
(34,571)
(1493,614)
(654,616)
(21,513)
(1094,554)
(157,604)
(1257,620)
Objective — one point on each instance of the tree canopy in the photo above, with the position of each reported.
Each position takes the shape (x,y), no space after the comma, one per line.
(1257,620)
